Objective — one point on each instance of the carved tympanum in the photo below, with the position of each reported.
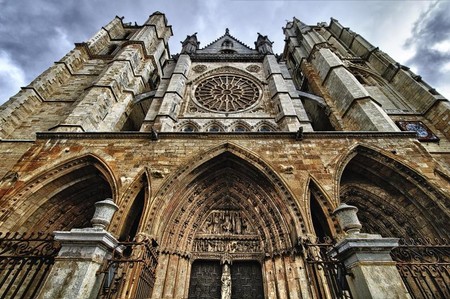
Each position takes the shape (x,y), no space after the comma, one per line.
(226,231)
(226,222)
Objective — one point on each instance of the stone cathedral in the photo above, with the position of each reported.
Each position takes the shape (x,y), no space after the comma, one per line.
(219,171)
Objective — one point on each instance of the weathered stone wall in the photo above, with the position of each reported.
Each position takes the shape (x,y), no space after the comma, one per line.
(296,162)
(106,72)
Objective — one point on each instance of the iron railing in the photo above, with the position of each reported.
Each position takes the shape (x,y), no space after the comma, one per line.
(327,274)
(424,265)
(130,273)
(25,261)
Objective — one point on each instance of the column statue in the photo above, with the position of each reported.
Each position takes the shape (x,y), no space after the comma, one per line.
(226,282)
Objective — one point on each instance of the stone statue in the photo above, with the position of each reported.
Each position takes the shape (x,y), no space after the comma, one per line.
(190,44)
(226,282)
(263,44)
(226,226)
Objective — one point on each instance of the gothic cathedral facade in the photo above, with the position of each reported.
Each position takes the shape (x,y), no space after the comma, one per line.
(227,157)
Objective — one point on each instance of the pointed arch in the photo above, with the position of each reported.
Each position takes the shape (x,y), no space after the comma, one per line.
(226,175)
(320,207)
(239,126)
(127,221)
(382,186)
(59,197)
(188,126)
(264,123)
(214,124)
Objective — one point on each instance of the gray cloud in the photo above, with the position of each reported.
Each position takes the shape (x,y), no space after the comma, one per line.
(432,28)
(35,33)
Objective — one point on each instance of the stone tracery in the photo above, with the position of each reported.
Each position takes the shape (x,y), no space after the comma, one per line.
(227,93)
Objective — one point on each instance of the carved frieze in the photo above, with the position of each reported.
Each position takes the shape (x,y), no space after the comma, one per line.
(226,230)
(228,245)
(226,222)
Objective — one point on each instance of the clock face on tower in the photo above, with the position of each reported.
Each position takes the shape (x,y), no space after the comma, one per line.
(423,132)
(227,93)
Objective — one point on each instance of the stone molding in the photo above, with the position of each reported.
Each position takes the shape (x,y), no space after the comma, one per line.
(221,135)
(85,245)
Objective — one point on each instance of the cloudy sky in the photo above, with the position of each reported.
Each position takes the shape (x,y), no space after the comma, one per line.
(35,33)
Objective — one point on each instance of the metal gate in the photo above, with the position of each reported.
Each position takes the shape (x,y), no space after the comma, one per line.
(327,275)
(424,265)
(130,273)
(25,261)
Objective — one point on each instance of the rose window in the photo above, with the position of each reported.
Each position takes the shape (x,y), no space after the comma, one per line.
(227,93)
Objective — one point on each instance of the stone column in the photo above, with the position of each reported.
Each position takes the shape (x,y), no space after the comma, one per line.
(83,251)
(373,273)
(288,117)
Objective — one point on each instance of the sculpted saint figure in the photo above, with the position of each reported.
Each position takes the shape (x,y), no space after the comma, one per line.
(226,282)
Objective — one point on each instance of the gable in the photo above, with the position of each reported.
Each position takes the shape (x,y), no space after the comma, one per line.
(227,44)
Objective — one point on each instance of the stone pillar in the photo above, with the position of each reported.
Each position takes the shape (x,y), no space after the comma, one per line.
(168,112)
(373,273)
(288,117)
(83,251)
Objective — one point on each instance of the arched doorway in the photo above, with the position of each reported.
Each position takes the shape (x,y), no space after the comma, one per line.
(393,199)
(61,198)
(229,219)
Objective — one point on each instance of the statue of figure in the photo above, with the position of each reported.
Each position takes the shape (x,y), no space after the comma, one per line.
(190,44)
(216,224)
(227,226)
(208,226)
(263,44)
(238,224)
(226,282)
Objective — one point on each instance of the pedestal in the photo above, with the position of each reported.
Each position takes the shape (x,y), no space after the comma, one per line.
(74,274)
(373,273)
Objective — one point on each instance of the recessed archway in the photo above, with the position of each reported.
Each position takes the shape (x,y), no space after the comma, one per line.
(228,207)
(61,198)
(393,199)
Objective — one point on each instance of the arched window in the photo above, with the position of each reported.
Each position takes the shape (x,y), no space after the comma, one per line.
(214,128)
(239,128)
(227,44)
(188,128)
(265,128)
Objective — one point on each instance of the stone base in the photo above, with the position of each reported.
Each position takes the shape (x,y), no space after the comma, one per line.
(373,273)
(74,274)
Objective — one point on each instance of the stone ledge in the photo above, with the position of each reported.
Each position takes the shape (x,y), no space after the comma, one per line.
(364,249)
(221,135)
(86,237)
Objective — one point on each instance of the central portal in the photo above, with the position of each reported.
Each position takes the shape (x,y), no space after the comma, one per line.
(210,280)
(228,233)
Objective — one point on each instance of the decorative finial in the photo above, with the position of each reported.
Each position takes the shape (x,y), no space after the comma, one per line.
(227,31)
(104,211)
(348,219)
